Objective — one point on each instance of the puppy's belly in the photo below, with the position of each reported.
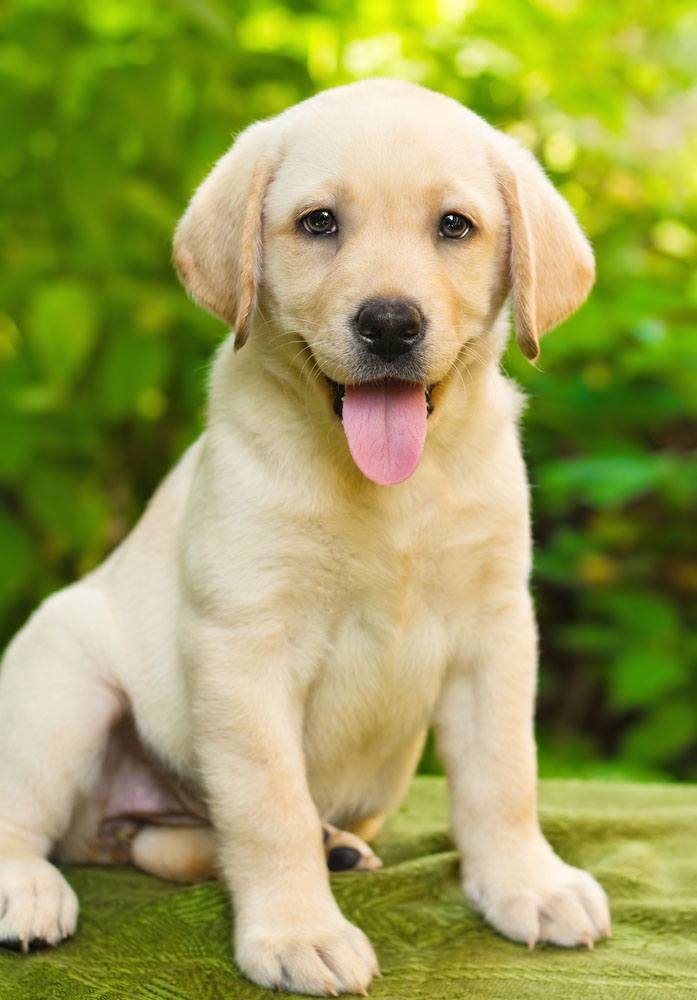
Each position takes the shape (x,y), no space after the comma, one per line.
(350,788)
(367,716)
(134,785)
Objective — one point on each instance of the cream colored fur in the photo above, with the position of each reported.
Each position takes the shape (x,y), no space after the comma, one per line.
(282,629)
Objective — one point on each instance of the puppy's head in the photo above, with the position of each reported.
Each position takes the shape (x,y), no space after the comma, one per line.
(382,227)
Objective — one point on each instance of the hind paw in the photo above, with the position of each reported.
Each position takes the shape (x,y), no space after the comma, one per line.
(347,852)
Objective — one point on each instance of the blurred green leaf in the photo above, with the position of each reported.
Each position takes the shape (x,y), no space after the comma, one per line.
(662,733)
(131,366)
(644,676)
(605,480)
(61,329)
(17,559)
(69,509)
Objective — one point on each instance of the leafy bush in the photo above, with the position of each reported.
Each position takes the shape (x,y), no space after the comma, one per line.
(113,110)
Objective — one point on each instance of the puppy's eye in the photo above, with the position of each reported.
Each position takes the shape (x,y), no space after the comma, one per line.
(320,222)
(454,226)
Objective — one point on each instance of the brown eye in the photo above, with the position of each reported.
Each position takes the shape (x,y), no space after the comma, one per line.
(454,226)
(320,222)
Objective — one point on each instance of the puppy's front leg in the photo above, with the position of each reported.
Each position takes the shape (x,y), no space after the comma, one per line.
(484,724)
(289,931)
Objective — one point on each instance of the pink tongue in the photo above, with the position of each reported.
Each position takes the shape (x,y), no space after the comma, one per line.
(385,424)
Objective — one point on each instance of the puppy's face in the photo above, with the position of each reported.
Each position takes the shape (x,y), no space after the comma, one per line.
(384,242)
(380,228)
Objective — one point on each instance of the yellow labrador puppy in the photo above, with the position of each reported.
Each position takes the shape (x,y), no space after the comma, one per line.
(340,561)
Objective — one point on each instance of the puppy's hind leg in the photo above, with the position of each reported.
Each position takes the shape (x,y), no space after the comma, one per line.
(188,853)
(56,708)
(176,853)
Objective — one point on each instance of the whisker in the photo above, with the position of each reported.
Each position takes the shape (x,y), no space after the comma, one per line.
(299,354)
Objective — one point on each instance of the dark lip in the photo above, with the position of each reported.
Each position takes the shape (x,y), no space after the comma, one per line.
(339,390)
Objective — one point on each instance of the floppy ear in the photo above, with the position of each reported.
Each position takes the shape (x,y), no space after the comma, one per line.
(217,244)
(551,262)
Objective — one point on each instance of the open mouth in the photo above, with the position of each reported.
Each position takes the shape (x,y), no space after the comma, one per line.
(339,390)
(385,426)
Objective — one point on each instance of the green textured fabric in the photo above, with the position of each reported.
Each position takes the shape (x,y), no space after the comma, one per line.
(142,938)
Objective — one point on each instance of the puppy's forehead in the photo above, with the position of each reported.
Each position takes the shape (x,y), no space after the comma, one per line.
(385,146)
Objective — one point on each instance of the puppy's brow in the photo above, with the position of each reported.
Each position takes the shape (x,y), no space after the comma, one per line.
(468,202)
(313,203)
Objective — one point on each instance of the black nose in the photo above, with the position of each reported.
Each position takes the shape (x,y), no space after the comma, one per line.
(389,327)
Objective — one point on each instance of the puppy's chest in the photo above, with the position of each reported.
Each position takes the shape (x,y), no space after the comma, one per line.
(386,648)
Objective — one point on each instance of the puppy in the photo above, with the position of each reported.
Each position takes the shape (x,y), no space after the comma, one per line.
(340,561)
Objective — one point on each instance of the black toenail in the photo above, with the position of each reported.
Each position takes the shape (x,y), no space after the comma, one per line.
(38,944)
(14,944)
(340,859)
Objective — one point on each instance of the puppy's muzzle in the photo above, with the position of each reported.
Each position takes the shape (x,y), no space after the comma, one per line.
(389,327)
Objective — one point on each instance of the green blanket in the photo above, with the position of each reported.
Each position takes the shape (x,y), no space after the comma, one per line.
(141,938)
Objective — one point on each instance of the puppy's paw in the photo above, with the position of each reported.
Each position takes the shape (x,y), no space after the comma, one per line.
(535,896)
(323,960)
(37,906)
(346,852)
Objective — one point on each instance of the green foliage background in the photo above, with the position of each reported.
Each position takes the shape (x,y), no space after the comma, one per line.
(111,111)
